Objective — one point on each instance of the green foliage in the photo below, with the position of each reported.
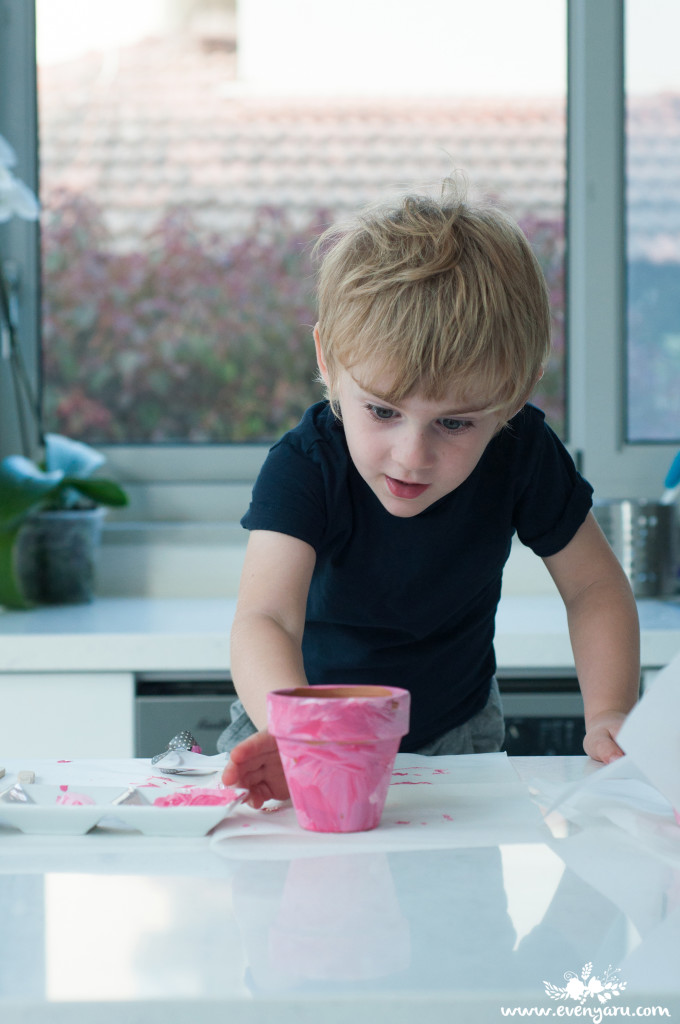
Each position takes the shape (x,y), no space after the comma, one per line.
(62,483)
(190,340)
(23,487)
(547,240)
(197,337)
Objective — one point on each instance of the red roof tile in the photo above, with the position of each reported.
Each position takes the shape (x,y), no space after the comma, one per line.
(164,124)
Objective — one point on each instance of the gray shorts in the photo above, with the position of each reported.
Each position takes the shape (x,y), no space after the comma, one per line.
(484,733)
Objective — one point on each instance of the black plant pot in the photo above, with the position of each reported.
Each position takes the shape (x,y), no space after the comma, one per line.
(56,554)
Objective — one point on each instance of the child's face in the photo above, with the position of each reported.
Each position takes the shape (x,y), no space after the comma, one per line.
(414,453)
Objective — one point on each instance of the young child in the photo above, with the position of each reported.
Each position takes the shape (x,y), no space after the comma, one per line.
(380,525)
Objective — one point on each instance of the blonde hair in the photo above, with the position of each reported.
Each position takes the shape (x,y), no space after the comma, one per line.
(429,291)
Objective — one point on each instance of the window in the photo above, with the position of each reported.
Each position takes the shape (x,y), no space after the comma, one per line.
(596,258)
(190,157)
(337,145)
(653,221)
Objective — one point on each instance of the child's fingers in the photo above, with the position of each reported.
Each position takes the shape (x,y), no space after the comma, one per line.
(602,746)
(255,765)
(257,745)
(259,794)
(609,752)
(230,775)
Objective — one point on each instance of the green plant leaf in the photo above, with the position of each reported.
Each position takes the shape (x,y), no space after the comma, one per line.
(103,492)
(73,458)
(10,592)
(23,486)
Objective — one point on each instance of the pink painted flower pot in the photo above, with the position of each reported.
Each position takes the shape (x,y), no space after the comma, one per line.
(337,746)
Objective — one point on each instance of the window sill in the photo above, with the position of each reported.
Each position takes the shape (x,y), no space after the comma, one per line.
(196,560)
(204,560)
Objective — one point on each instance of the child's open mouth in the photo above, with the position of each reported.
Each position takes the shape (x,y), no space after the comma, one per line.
(401,489)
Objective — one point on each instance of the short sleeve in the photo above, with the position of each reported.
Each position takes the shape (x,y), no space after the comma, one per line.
(555,499)
(289,496)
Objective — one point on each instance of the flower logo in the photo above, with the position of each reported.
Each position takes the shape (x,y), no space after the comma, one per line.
(587,985)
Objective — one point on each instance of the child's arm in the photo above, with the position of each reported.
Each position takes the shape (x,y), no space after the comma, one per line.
(604,632)
(266,650)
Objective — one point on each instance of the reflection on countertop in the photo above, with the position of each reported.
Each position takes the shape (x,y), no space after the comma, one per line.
(112,926)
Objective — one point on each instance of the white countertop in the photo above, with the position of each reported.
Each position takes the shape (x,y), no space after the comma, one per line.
(177,635)
(119,634)
(118,927)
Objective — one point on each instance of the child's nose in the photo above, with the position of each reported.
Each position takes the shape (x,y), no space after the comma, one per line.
(413,451)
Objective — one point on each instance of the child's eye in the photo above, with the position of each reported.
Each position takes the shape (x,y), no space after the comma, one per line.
(455,426)
(379,412)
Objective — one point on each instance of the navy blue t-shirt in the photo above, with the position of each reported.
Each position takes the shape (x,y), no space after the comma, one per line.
(411,602)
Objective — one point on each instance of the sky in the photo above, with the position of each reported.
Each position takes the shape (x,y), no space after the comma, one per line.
(386,47)
(417,47)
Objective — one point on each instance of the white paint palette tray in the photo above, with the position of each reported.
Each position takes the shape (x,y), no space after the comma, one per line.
(65,810)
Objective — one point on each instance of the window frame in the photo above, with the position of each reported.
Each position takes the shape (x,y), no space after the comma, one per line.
(20,240)
(596,260)
(211,483)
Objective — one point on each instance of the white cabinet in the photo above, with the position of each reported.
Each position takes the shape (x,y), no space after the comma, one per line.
(66,714)
(68,672)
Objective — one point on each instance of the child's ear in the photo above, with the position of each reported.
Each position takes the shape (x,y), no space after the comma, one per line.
(323,369)
(529,393)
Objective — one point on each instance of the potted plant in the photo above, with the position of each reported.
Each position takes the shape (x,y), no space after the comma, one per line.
(50,523)
(50,514)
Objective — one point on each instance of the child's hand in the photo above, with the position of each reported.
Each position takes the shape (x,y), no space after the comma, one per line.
(255,765)
(600,742)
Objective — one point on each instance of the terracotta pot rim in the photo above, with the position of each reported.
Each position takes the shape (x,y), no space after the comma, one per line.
(341,692)
(360,740)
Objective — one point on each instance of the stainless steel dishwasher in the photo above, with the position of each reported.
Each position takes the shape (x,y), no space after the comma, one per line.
(166,704)
(543,713)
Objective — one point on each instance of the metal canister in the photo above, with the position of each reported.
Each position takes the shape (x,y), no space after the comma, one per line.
(644,538)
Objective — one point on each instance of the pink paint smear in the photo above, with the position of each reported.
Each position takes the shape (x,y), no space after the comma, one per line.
(197,797)
(74,799)
(151,784)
